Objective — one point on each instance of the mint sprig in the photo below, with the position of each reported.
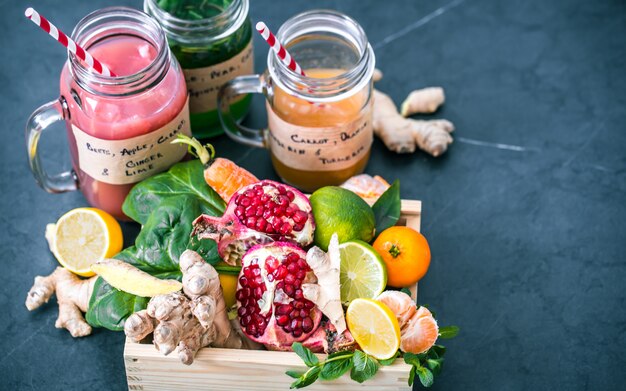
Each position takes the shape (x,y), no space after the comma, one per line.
(361,366)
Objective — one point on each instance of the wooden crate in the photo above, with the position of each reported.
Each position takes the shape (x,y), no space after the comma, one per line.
(230,369)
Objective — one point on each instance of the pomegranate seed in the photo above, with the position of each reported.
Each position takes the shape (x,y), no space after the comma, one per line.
(291,196)
(308,304)
(269,229)
(239,211)
(281,272)
(293,257)
(258,292)
(298,227)
(290,279)
(297,282)
(258,189)
(283,202)
(256,271)
(287,328)
(243,280)
(289,211)
(307,325)
(301,274)
(297,333)
(258,212)
(270,277)
(298,305)
(245,201)
(260,224)
(258,280)
(239,295)
(282,320)
(265,198)
(250,222)
(267,213)
(298,294)
(282,190)
(250,211)
(303,265)
(289,290)
(296,324)
(258,320)
(292,268)
(271,263)
(304,314)
(249,193)
(242,311)
(280,285)
(300,217)
(246,320)
(285,228)
(252,329)
(294,314)
(283,309)
(235,197)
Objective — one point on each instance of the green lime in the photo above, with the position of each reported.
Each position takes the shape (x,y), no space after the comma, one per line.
(339,210)
(363,272)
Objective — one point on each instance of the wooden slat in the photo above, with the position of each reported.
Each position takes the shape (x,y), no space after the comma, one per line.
(230,369)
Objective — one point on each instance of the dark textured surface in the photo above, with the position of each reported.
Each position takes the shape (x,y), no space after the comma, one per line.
(525,214)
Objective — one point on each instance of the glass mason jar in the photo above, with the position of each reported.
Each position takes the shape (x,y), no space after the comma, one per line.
(320,125)
(212,40)
(118,128)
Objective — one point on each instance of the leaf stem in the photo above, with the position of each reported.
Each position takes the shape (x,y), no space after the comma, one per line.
(205,153)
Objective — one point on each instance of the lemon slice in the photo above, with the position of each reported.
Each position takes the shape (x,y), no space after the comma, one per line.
(84,236)
(374,327)
(363,273)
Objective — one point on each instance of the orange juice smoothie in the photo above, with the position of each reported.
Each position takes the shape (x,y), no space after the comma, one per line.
(318,144)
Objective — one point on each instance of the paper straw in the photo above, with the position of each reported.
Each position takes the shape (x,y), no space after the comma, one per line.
(66,41)
(277,47)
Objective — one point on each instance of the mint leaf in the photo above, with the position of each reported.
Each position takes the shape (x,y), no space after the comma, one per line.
(335,369)
(434,365)
(307,379)
(426,376)
(387,208)
(448,332)
(414,359)
(294,374)
(364,367)
(412,376)
(389,361)
(305,354)
(438,350)
(341,354)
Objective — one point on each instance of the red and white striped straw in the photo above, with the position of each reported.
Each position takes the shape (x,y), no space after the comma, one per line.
(277,47)
(66,41)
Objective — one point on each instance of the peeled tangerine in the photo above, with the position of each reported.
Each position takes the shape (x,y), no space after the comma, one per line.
(418,327)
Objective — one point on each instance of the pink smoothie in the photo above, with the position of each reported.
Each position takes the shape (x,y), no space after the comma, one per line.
(118,118)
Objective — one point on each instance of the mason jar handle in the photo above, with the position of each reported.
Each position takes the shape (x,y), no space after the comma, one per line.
(252,84)
(40,120)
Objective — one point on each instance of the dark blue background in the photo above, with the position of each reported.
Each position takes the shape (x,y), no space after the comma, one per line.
(525,213)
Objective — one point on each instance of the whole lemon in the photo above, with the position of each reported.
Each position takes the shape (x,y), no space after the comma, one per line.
(336,209)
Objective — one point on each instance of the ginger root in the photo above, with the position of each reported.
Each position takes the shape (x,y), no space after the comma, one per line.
(326,293)
(73,294)
(401,134)
(425,100)
(128,278)
(191,320)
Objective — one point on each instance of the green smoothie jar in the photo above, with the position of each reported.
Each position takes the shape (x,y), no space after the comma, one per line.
(212,40)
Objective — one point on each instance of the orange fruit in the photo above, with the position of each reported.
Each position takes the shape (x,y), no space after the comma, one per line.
(418,327)
(420,333)
(406,254)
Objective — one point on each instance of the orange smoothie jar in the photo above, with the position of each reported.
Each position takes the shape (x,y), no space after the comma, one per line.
(319,125)
(119,128)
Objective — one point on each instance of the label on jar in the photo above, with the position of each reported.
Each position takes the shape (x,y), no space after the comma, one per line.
(131,160)
(203,84)
(320,149)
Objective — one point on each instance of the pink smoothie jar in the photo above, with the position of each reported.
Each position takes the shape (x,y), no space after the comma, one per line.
(119,128)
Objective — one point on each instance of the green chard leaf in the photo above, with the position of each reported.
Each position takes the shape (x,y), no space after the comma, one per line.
(426,376)
(186,178)
(364,367)
(332,370)
(308,378)
(305,354)
(448,332)
(387,208)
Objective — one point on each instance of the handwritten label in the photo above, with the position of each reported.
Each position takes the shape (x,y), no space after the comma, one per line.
(320,149)
(203,84)
(121,162)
